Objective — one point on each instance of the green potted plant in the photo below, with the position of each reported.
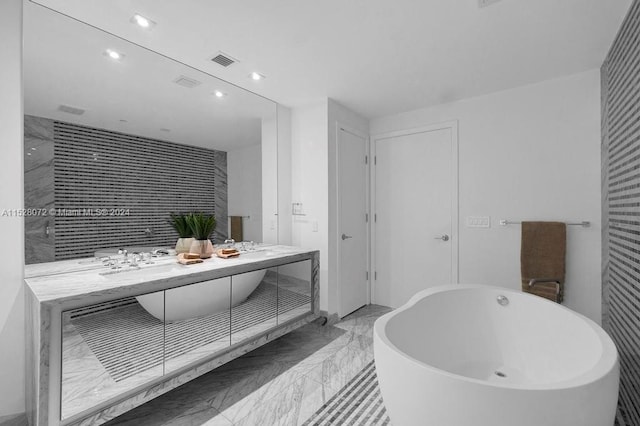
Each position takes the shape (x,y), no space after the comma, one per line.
(202,227)
(185,235)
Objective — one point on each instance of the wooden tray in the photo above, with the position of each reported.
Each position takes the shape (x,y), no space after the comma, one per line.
(227,255)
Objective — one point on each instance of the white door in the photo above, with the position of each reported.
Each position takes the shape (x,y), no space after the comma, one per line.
(353,289)
(416,213)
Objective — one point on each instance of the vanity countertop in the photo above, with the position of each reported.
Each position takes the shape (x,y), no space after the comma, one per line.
(68,282)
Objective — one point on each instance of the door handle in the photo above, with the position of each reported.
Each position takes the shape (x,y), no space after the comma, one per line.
(346,237)
(445,237)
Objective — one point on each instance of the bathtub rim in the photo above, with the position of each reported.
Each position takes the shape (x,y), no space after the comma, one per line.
(606,363)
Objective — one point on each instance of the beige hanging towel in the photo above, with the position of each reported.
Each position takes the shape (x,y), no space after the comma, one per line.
(236,228)
(542,259)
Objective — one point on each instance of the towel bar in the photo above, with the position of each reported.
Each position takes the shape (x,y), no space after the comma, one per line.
(534,281)
(584,224)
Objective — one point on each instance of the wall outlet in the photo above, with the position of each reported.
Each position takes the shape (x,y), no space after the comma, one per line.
(478,222)
(314,226)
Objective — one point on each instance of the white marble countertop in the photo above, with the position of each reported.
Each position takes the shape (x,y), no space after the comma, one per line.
(80,282)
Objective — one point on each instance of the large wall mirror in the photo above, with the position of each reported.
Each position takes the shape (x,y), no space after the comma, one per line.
(117,137)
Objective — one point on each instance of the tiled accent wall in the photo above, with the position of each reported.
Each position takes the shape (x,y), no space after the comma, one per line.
(112,190)
(621,208)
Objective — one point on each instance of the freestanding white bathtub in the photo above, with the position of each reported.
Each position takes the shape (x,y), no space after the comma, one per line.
(454,356)
(205,298)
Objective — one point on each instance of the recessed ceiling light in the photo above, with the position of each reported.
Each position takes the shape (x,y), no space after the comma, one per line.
(219,94)
(142,21)
(113,54)
(124,121)
(256,76)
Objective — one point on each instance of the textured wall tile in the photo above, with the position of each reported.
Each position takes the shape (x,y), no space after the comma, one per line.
(621,208)
(111,189)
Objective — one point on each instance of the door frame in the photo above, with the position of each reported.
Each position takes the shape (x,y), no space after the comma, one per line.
(367,141)
(453,127)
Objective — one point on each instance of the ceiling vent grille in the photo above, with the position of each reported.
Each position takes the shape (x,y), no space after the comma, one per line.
(187,82)
(71,110)
(223,59)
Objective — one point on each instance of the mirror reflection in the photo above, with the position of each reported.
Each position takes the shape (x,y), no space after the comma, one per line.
(107,349)
(118,137)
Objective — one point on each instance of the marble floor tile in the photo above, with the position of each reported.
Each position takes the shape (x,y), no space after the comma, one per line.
(338,369)
(200,414)
(243,396)
(362,321)
(163,411)
(303,397)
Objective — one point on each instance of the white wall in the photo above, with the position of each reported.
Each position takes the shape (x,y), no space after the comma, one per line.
(284,175)
(313,184)
(276,177)
(270,181)
(338,115)
(244,185)
(309,182)
(528,153)
(12,339)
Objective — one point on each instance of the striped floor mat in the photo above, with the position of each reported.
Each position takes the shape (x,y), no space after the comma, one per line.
(359,403)
(128,340)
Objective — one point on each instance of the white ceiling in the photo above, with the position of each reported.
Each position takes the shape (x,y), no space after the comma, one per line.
(377,57)
(64,63)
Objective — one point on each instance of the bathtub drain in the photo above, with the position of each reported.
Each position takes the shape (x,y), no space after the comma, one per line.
(499,374)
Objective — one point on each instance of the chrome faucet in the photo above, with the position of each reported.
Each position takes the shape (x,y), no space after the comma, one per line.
(125,255)
(137,257)
(108,261)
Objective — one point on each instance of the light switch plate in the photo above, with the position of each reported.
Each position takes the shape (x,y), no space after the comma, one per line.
(478,222)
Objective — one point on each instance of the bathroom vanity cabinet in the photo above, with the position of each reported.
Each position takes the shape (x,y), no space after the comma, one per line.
(101,344)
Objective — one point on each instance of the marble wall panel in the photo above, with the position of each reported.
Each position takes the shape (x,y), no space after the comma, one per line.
(38,189)
(220,197)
